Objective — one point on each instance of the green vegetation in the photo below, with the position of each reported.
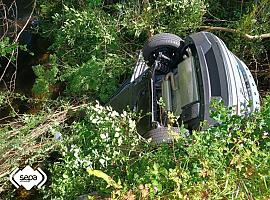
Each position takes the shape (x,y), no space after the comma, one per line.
(227,161)
(89,149)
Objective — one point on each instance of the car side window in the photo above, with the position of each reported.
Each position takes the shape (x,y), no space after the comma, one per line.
(186,81)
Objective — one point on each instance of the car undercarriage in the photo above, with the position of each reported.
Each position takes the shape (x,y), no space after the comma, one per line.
(182,77)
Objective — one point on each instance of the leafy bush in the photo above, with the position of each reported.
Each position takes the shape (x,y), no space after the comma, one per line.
(96,77)
(46,77)
(162,16)
(95,46)
(83,34)
(103,140)
(230,160)
(89,52)
(7,47)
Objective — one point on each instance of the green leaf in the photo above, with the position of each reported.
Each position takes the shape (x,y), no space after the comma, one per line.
(105,177)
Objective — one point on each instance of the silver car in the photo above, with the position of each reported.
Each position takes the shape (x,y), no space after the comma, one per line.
(185,75)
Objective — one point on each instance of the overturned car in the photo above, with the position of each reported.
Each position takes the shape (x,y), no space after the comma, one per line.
(186,75)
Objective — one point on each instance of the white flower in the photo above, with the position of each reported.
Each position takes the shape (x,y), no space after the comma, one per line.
(116,134)
(65,176)
(95,121)
(102,162)
(76,153)
(124,114)
(120,141)
(87,164)
(72,147)
(95,152)
(114,114)
(104,136)
(109,108)
(91,117)
(132,124)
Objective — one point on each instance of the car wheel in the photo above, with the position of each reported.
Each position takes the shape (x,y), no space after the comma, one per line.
(164,42)
(162,134)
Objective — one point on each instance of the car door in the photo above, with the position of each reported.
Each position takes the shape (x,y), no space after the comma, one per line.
(141,100)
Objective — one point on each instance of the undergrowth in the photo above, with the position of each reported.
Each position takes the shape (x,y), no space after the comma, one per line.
(228,161)
(101,155)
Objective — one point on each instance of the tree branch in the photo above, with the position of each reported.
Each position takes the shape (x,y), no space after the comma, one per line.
(230,30)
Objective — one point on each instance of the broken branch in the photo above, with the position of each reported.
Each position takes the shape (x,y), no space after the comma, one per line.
(230,30)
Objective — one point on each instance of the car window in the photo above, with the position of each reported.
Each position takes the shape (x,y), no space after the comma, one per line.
(140,67)
(186,81)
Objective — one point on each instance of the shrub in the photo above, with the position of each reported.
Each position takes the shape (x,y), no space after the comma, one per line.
(95,46)
(88,51)
(224,161)
(96,77)
(162,16)
(46,77)
(104,140)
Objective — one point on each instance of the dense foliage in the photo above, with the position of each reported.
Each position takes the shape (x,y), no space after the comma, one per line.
(101,155)
(228,161)
(89,149)
(97,44)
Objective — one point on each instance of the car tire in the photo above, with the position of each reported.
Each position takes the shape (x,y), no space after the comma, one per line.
(162,134)
(160,42)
